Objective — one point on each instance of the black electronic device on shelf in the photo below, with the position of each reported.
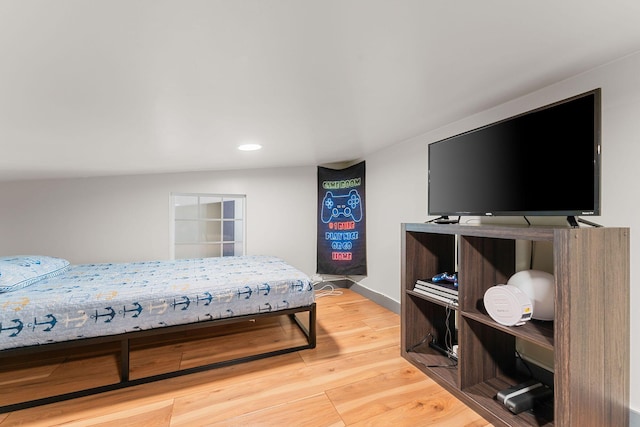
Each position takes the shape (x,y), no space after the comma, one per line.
(524,396)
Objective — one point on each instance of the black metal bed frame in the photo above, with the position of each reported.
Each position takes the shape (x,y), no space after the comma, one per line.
(125,338)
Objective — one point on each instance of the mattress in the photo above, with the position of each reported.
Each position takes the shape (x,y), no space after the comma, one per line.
(91,300)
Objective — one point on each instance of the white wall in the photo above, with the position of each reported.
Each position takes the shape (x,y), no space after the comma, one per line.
(397,183)
(127,218)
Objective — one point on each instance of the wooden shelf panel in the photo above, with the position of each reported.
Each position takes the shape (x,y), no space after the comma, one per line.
(542,233)
(537,332)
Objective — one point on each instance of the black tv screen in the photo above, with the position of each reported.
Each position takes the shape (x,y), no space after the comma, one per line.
(542,162)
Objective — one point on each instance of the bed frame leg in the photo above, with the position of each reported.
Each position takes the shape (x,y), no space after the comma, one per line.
(124,360)
(312,326)
(310,332)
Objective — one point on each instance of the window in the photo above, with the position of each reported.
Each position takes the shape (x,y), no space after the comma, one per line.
(207,225)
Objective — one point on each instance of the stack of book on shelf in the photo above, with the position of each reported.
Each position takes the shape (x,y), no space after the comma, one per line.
(444,291)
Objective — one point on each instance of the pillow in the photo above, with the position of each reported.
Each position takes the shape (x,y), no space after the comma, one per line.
(17,272)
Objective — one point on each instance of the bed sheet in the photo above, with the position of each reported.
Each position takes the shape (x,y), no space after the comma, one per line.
(92,300)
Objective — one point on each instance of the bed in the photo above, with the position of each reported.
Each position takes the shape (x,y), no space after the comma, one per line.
(46,303)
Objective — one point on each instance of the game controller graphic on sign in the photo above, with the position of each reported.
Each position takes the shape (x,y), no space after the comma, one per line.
(347,206)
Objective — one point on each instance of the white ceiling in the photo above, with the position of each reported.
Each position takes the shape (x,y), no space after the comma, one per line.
(109,87)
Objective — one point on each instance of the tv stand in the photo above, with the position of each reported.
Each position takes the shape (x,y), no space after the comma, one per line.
(573,221)
(589,335)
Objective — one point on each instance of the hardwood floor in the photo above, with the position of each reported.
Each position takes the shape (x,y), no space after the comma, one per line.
(355,377)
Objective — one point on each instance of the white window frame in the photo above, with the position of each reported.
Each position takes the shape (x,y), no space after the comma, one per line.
(202,245)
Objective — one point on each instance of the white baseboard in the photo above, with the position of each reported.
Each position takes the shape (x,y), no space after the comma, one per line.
(350,283)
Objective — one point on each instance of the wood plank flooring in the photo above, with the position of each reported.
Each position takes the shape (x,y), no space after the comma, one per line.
(355,377)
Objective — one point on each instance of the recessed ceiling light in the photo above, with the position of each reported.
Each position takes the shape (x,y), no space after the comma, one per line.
(249,147)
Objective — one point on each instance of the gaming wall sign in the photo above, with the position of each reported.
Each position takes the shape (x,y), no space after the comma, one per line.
(342,248)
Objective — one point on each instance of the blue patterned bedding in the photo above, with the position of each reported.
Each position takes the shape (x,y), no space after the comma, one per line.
(92,300)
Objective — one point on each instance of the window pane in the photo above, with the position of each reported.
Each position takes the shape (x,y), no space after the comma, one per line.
(187,231)
(197,251)
(212,232)
(228,209)
(185,207)
(228,230)
(211,251)
(228,249)
(188,251)
(239,248)
(232,208)
(210,207)
(238,232)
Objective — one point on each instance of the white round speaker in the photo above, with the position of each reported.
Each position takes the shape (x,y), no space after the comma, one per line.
(540,288)
(508,305)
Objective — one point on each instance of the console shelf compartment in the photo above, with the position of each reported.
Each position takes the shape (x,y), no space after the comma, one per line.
(443,369)
(433,300)
(589,335)
(535,331)
(483,395)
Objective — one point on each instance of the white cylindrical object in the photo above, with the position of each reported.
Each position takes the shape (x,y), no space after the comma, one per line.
(508,305)
(540,288)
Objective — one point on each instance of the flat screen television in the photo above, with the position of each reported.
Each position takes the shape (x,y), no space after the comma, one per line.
(542,162)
